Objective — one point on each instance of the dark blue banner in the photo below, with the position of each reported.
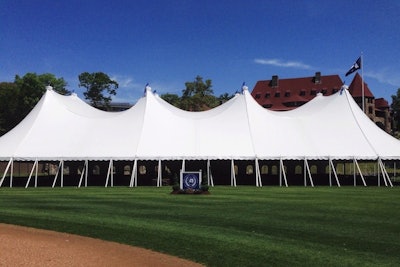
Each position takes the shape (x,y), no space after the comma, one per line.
(190,180)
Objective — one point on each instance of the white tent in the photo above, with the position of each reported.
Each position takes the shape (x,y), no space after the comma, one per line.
(62,128)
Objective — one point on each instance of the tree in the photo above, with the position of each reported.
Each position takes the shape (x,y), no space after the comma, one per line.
(173,99)
(98,84)
(9,111)
(198,95)
(17,99)
(395,106)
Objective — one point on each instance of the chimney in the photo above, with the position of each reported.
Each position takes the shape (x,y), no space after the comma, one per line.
(274,81)
(317,77)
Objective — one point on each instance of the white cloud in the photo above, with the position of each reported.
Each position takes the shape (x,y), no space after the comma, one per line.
(384,76)
(281,63)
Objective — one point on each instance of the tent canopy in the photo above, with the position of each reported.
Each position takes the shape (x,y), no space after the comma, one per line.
(67,128)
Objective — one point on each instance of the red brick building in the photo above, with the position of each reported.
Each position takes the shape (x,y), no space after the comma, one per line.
(286,94)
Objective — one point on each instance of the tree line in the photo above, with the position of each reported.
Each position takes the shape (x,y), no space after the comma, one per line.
(18,98)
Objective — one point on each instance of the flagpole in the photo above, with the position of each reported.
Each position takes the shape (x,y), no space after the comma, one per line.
(362,82)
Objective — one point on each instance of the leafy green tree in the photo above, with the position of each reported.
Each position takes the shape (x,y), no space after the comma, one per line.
(395,106)
(198,95)
(173,99)
(9,111)
(17,99)
(99,88)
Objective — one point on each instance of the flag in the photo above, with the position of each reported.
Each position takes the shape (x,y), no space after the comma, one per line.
(356,66)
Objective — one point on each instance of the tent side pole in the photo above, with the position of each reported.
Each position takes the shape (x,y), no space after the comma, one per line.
(330,172)
(159,174)
(233,176)
(183,165)
(30,174)
(12,173)
(334,172)
(258,174)
(304,172)
(133,181)
(62,173)
(359,170)
(36,173)
(385,174)
(56,176)
(86,172)
(354,172)
(6,171)
(209,174)
(282,171)
(379,174)
(309,173)
(108,173)
(380,170)
(83,174)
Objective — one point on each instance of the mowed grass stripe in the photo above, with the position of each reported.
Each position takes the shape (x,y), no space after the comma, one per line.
(242,226)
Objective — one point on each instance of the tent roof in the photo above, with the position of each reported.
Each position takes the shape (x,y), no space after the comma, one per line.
(65,127)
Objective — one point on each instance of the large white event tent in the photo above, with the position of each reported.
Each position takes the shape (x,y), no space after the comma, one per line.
(65,128)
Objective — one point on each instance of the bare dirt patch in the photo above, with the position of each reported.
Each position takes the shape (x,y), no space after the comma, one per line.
(23,246)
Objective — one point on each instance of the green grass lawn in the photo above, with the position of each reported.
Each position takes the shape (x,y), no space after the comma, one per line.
(242,226)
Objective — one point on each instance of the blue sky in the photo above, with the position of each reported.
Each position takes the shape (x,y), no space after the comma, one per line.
(167,43)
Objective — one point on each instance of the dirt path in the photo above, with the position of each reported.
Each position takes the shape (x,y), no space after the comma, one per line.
(22,246)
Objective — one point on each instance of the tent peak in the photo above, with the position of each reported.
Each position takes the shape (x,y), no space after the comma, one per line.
(244,87)
(49,88)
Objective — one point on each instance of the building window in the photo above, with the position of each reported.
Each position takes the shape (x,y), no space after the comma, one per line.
(313,169)
(287,94)
(274,169)
(258,96)
(142,169)
(277,94)
(264,169)
(267,105)
(127,170)
(370,110)
(267,95)
(313,92)
(302,93)
(298,169)
(249,169)
(335,90)
(96,170)
(324,91)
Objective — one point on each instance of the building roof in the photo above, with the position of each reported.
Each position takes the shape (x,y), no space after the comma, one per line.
(381,103)
(355,87)
(287,94)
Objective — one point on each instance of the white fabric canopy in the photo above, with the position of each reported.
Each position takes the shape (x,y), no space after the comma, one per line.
(66,128)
